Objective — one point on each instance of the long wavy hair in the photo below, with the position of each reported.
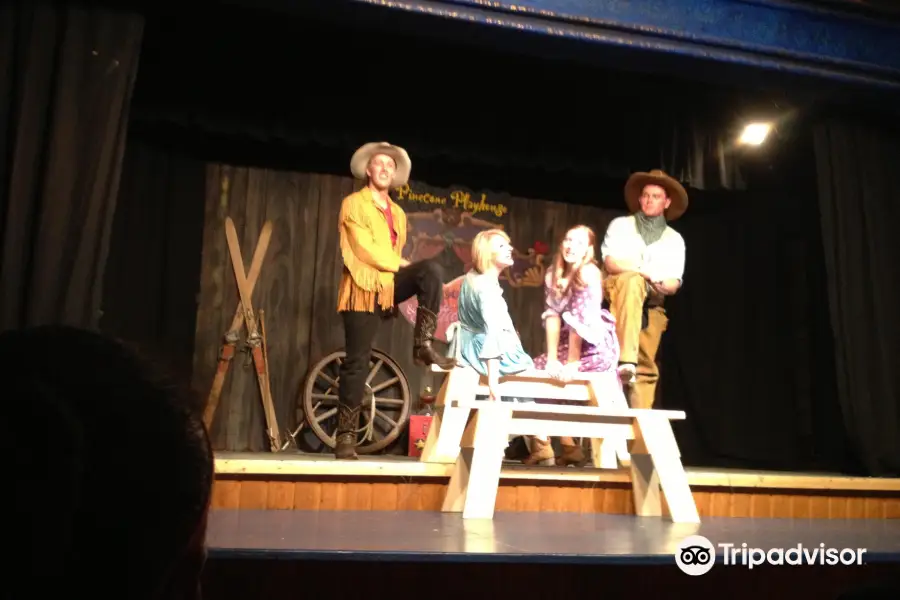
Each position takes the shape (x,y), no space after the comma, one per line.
(564,275)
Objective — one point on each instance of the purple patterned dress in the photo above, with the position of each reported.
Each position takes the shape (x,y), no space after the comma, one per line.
(581,310)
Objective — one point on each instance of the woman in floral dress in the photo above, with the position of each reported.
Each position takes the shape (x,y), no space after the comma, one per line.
(580,333)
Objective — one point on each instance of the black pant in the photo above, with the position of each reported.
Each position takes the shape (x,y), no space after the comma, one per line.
(425,280)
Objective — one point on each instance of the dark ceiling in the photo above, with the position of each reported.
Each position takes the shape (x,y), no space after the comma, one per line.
(309,84)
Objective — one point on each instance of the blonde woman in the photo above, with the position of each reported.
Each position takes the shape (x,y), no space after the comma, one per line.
(580,333)
(485,338)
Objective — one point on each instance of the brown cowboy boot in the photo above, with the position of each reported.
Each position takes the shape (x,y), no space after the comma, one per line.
(571,455)
(541,453)
(345,437)
(423,352)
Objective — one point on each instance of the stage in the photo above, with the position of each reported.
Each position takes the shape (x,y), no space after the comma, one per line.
(411,554)
(568,538)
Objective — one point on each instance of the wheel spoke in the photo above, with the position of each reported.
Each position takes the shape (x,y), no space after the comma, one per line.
(389,401)
(374,371)
(386,418)
(329,398)
(326,415)
(330,381)
(385,384)
(377,434)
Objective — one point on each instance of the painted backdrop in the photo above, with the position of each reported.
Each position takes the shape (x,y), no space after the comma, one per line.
(442,225)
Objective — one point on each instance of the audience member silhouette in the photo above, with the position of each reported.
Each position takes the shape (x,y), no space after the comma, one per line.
(112,471)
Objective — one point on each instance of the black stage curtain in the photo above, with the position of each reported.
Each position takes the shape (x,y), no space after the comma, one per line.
(66,78)
(857,182)
(198,84)
(747,353)
(153,270)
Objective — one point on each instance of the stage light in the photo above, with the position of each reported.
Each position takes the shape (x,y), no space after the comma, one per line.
(755,134)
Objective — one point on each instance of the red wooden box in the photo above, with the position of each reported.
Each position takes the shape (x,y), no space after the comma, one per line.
(418,432)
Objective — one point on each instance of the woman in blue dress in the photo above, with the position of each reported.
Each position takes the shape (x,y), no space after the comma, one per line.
(485,338)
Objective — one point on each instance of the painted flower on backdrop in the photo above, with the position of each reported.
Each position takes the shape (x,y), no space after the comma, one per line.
(529,267)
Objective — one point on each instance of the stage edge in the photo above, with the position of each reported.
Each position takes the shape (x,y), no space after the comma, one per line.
(319,483)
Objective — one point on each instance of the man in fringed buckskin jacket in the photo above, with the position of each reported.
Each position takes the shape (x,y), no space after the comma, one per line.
(376,278)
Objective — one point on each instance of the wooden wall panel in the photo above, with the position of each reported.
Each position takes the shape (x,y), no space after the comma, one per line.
(387,493)
(283,291)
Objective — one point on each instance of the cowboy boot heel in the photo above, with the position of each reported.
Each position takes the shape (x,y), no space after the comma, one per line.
(571,455)
(345,437)
(541,453)
(423,352)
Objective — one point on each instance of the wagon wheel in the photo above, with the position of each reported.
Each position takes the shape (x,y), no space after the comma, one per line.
(386,385)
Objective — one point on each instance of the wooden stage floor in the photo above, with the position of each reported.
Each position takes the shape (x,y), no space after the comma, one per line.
(416,536)
(284,522)
(397,555)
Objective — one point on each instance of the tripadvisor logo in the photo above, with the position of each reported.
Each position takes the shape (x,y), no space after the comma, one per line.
(696,555)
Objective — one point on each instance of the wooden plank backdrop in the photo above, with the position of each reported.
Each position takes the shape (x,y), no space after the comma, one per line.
(297,287)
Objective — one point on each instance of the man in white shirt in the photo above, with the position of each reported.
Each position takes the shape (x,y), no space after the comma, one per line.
(644,262)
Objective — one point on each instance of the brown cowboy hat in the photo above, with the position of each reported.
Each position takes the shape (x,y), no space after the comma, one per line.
(360,161)
(634,187)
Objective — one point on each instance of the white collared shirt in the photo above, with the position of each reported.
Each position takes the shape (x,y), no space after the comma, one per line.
(663,259)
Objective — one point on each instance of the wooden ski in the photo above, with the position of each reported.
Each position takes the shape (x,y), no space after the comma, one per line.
(233,334)
(288,438)
(253,336)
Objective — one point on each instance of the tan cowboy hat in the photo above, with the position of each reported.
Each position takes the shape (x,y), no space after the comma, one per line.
(634,187)
(360,161)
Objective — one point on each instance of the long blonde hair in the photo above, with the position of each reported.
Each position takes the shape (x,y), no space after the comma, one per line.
(564,275)
(482,255)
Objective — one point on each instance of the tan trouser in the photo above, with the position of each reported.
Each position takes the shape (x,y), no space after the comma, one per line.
(627,293)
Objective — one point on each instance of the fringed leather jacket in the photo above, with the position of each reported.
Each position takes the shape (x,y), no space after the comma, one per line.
(370,260)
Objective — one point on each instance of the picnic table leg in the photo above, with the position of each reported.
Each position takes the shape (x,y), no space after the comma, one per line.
(621,445)
(656,463)
(476,475)
(644,478)
(449,421)
(608,453)
(491,436)
(460,476)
